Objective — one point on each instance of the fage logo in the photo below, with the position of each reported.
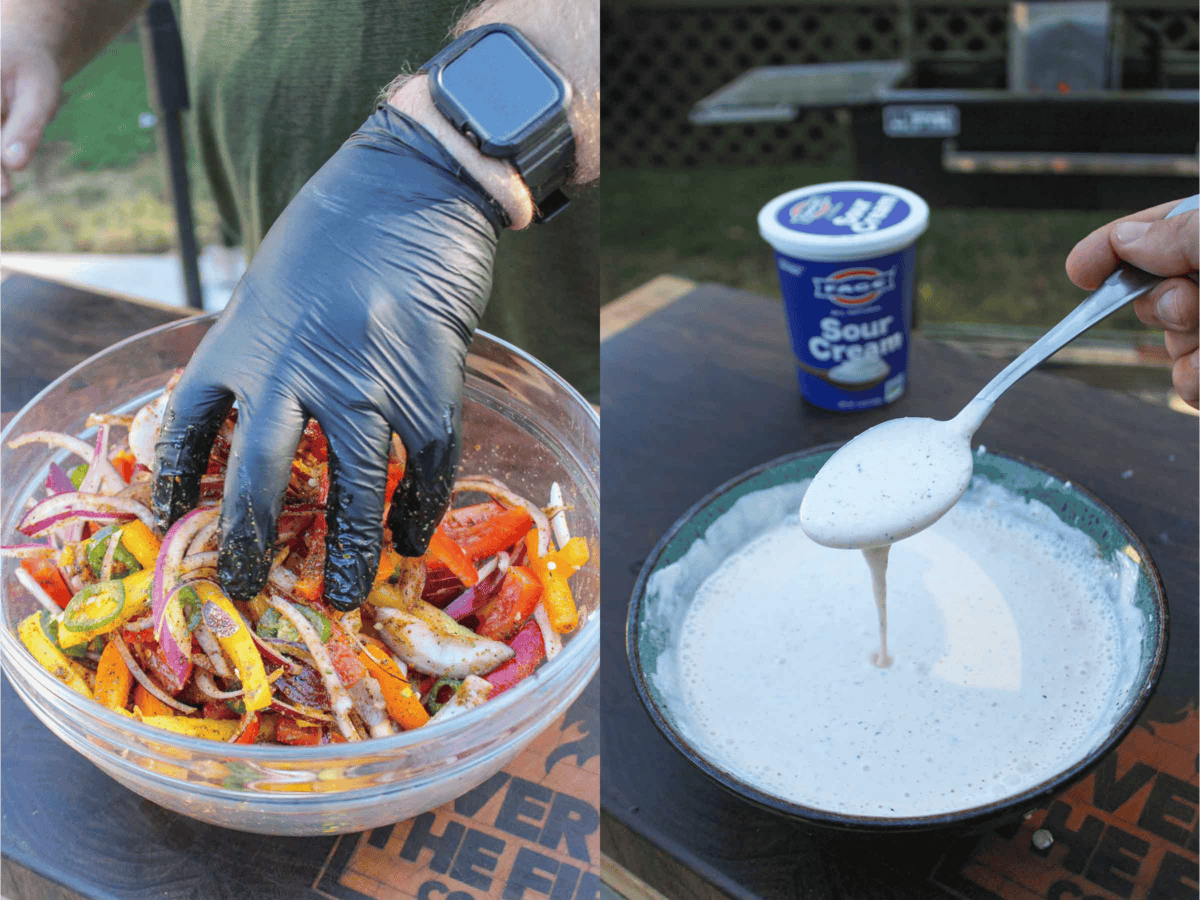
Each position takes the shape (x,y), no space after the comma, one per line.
(854,287)
(808,210)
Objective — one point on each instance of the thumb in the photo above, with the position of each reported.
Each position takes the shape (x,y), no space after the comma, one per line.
(1165,247)
(33,95)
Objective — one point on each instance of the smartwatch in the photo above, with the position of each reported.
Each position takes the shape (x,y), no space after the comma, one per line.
(508,100)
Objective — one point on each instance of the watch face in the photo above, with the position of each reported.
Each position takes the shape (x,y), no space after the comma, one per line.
(500,86)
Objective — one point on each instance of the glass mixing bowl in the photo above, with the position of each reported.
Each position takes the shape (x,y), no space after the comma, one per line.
(521,423)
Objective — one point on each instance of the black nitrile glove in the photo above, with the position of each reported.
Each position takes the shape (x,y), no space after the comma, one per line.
(357,311)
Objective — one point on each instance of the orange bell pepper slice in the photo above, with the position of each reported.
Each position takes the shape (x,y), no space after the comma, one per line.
(403,703)
(113,678)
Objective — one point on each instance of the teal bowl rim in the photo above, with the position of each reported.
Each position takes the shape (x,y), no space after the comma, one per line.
(984,814)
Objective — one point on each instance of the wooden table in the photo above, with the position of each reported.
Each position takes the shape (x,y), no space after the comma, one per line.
(69,832)
(703,389)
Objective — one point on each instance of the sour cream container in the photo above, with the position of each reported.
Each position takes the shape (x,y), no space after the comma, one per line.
(845,253)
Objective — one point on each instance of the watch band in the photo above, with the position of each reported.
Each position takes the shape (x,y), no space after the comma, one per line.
(546,157)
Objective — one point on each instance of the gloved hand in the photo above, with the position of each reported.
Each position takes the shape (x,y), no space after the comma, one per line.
(357,311)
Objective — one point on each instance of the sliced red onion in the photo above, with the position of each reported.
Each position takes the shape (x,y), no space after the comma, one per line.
(54,511)
(58,481)
(54,439)
(26,551)
(145,680)
(550,638)
(558,521)
(210,690)
(170,628)
(208,643)
(301,712)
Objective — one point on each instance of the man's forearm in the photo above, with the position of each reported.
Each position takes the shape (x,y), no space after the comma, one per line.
(74,30)
(568,34)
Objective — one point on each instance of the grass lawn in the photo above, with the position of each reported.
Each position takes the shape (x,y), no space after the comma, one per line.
(974,266)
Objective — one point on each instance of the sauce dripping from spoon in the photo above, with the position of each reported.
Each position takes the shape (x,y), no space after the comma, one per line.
(901,476)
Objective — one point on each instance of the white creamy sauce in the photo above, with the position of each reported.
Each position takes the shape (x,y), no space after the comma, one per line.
(1013,645)
(865,368)
(889,483)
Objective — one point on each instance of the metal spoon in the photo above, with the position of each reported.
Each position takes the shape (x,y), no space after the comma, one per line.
(903,475)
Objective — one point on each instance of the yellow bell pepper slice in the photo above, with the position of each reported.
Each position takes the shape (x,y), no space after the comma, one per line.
(138,587)
(50,657)
(213,729)
(236,641)
(553,570)
(141,542)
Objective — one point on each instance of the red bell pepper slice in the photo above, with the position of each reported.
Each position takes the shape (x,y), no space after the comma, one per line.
(461,521)
(310,585)
(344,655)
(504,613)
(445,553)
(288,731)
(496,534)
(530,652)
(46,574)
(250,732)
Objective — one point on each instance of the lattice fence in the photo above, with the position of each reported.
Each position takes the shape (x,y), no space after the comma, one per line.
(659,59)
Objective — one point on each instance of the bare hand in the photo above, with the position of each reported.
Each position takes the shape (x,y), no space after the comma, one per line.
(30,88)
(1166,247)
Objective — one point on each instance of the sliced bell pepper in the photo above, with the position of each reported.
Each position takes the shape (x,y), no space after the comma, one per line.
(149,704)
(552,571)
(445,553)
(530,650)
(462,519)
(46,574)
(124,461)
(310,583)
(141,542)
(32,633)
(138,587)
(513,604)
(213,729)
(223,620)
(113,679)
(495,534)
(289,731)
(250,733)
(343,655)
(403,703)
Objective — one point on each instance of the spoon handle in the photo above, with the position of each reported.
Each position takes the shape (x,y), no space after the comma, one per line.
(1123,286)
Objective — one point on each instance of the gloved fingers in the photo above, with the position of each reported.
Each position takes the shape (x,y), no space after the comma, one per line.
(421,498)
(260,466)
(195,412)
(358,464)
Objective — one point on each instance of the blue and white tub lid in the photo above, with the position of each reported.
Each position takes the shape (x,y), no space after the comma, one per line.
(843,220)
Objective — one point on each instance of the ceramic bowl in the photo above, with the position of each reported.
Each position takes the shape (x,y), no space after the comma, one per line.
(657,607)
